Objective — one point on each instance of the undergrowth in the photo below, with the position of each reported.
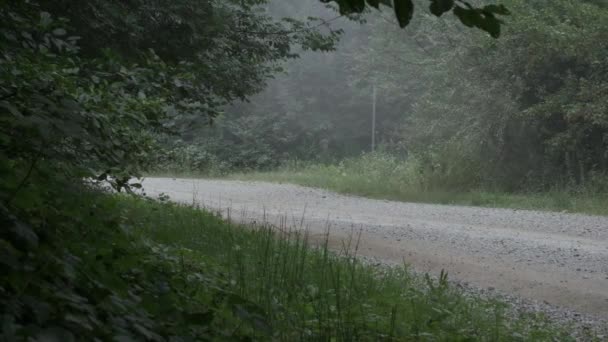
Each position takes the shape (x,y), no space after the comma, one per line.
(91,266)
(383,176)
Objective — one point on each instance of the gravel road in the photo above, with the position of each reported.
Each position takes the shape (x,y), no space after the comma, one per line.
(558,260)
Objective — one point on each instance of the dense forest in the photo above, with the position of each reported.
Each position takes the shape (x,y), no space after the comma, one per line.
(526,111)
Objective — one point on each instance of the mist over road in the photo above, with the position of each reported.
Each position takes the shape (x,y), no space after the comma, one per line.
(558,258)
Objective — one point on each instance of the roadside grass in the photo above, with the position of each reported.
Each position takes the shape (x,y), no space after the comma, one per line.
(386,178)
(296,292)
(182,174)
(120,267)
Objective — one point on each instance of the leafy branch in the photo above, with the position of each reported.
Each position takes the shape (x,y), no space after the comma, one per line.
(484,18)
(24,180)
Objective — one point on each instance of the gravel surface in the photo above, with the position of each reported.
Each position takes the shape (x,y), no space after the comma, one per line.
(553,262)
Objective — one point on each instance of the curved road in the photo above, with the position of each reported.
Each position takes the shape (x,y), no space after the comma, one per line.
(561,259)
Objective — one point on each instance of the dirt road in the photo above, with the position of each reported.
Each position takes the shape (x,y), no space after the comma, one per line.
(557,258)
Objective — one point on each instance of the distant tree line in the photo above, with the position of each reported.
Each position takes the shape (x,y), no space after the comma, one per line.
(525,111)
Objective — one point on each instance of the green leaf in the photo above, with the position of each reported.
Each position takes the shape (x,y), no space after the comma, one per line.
(59,32)
(53,334)
(404,10)
(467,16)
(199,318)
(357,5)
(491,25)
(250,312)
(374,3)
(12,109)
(474,17)
(9,256)
(438,7)
(45,19)
(24,234)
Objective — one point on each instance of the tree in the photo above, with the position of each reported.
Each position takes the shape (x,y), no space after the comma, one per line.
(84,84)
(527,110)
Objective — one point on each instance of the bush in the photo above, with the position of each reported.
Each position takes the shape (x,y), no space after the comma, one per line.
(210,159)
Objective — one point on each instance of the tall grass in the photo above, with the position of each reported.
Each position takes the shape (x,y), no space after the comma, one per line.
(112,267)
(300,292)
(380,175)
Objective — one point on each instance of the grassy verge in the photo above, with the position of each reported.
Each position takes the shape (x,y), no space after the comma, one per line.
(385,178)
(303,293)
(129,268)
(124,268)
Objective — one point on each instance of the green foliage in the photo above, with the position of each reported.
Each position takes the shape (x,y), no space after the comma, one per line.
(78,269)
(85,89)
(56,106)
(404,11)
(442,179)
(90,89)
(86,265)
(439,7)
(235,142)
(85,85)
(526,112)
(483,18)
(551,128)
(213,159)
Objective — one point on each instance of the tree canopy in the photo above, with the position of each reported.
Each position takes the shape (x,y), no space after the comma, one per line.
(87,83)
(525,111)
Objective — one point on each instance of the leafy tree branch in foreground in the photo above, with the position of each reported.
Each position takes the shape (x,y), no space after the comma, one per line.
(485,18)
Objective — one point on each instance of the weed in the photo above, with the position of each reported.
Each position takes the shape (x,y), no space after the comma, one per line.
(307,293)
(380,175)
